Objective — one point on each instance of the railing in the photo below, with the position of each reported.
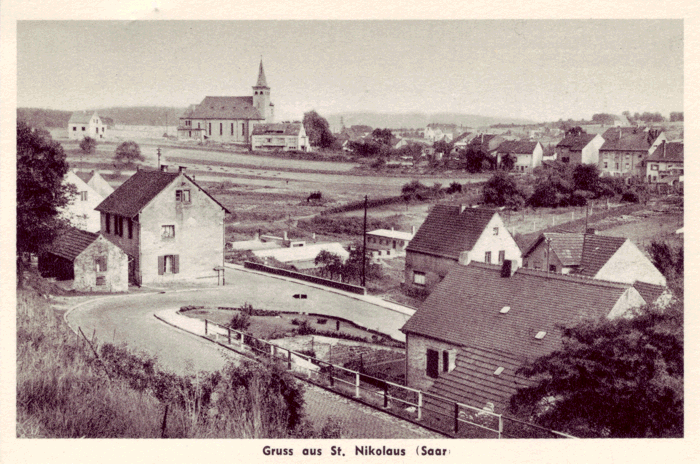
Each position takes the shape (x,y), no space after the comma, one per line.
(442,414)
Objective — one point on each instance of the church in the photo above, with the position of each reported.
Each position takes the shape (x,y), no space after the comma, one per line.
(228,119)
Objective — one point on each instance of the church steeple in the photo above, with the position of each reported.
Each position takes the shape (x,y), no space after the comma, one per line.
(262,82)
(261,96)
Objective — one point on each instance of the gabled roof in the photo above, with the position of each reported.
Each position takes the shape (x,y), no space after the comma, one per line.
(71,243)
(597,251)
(482,139)
(627,139)
(84,176)
(133,195)
(81,117)
(393,234)
(667,151)
(576,142)
(567,246)
(649,292)
(464,137)
(465,308)
(519,147)
(262,82)
(277,129)
(447,231)
(225,108)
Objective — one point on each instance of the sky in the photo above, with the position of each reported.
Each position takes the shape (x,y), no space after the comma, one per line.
(541,70)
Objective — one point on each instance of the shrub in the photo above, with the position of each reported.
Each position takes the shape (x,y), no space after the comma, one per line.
(578,199)
(128,152)
(545,195)
(630,197)
(240,321)
(501,190)
(305,328)
(88,145)
(321,320)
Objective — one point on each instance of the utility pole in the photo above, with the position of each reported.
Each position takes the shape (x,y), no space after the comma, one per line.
(364,243)
(548,241)
(586,228)
(159,158)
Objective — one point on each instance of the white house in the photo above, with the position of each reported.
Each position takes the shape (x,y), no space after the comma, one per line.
(99,184)
(86,124)
(282,136)
(527,154)
(81,211)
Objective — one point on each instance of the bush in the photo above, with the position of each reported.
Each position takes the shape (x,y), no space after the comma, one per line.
(305,328)
(321,320)
(545,195)
(128,152)
(630,197)
(578,199)
(501,190)
(88,145)
(240,321)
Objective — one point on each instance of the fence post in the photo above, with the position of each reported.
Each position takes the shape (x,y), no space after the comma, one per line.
(289,360)
(242,339)
(330,374)
(420,404)
(357,385)
(206,326)
(272,351)
(386,395)
(229,336)
(456,418)
(500,426)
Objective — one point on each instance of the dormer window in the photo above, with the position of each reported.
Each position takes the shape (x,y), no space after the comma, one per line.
(499,371)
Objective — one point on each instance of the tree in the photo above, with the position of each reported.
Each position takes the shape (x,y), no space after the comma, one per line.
(508,162)
(477,159)
(603,118)
(330,264)
(612,378)
(676,116)
(318,130)
(382,136)
(442,147)
(501,190)
(88,145)
(41,165)
(127,153)
(586,177)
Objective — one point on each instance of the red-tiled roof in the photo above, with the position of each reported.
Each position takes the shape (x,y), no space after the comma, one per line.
(669,151)
(447,231)
(277,129)
(519,147)
(225,108)
(576,143)
(71,243)
(649,292)
(597,251)
(465,310)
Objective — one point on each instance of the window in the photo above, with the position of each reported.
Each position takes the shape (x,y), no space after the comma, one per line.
(167,232)
(627,165)
(445,361)
(540,335)
(119,226)
(495,231)
(198,127)
(231,128)
(100,264)
(617,166)
(108,219)
(75,128)
(130,224)
(419,278)
(499,370)
(552,268)
(432,364)
(501,256)
(83,128)
(182,196)
(168,264)
(190,134)
(487,258)
(83,195)
(605,165)
(100,280)
(221,128)
(654,167)
(209,128)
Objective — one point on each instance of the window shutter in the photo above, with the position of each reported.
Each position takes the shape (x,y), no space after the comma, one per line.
(130,225)
(108,218)
(161,265)
(176,264)
(432,365)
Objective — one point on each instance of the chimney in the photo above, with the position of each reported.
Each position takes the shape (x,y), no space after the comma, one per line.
(462,207)
(508,268)
(464,258)
(164,167)
(256,236)
(182,169)
(591,231)
(284,235)
(664,144)
(413,230)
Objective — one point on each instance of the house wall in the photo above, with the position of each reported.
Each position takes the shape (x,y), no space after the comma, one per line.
(95,128)
(434,267)
(488,241)
(629,299)
(537,259)
(241,129)
(657,170)
(81,213)
(416,359)
(629,264)
(116,275)
(590,153)
(199,234)
(378,242)
(621,162)
(537,155)
(129,245)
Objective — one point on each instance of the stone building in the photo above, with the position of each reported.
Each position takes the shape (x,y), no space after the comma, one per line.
(228,119)
(170,227)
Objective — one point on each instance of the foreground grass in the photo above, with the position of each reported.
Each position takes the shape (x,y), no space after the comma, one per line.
(65,391)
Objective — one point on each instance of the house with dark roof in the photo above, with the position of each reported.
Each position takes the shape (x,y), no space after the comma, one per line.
(625,150)
(482,322)
(228,119)
(615,259)
(580,148)
(86,124)
(488,143)
(93,262)
(456,234)
(169,226)
(665,164)
(280,136)
(526,154)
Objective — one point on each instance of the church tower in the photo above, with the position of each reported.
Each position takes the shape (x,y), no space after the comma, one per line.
(261,96)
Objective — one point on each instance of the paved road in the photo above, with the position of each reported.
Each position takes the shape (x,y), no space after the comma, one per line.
(129,319)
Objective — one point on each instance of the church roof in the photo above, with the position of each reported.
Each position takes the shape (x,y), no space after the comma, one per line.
(262,82)
(225,108)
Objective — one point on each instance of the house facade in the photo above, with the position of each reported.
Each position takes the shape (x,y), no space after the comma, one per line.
(580,148)
(228,119)
(527,154)
(385,243)
(281,136)
(86,124)
(625,149)
(665,164)
(81,211)
(480,324)
(169,226)
(454,234)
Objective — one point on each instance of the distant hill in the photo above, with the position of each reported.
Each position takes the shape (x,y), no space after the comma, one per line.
(133,116)
(417,120)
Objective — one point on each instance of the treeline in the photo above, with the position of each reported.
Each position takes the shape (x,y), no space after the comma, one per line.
(40,118)
(132,116)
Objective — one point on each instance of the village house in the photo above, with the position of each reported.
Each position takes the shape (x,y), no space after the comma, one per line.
(168,225)
(302,257)
(482,322)
(228,119)
(625,150)
(385,243)
(461,142)
(456,234)
(527,154)
(81,211)
(85,124)
(282,136)
(601,257)
(665,164)
(488,143)
(98,183)
(94,263)
(580,148)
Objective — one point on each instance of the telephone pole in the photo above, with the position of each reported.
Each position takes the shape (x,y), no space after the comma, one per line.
(159,158)
(364,243)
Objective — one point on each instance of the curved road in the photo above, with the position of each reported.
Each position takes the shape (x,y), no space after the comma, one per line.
(129,318)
